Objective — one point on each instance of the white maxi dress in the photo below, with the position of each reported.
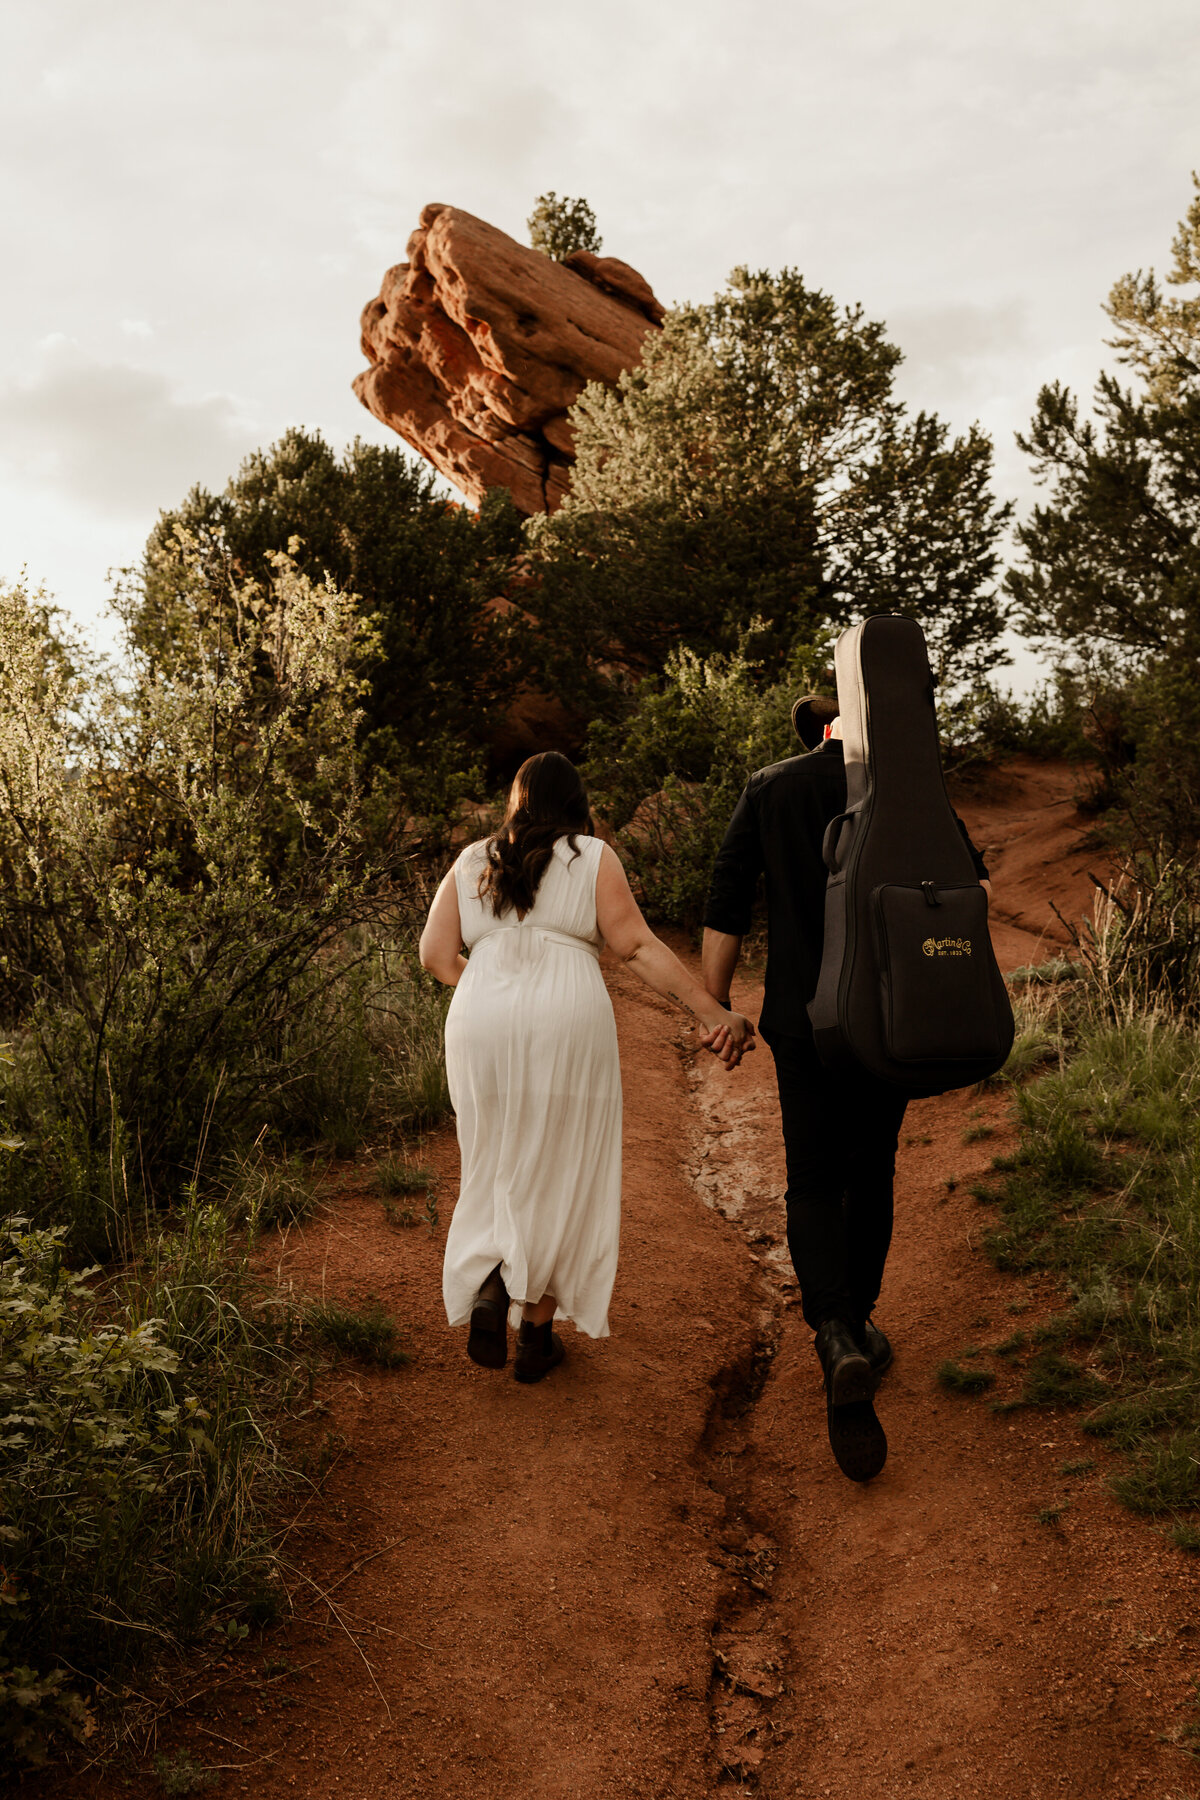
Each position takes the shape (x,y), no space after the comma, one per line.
(535,1081)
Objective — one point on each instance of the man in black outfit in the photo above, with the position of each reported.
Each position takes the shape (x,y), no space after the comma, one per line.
(840,1131)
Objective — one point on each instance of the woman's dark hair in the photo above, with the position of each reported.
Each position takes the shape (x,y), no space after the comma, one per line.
(546,801)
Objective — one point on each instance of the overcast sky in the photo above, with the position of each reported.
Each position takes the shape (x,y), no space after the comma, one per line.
(199,199)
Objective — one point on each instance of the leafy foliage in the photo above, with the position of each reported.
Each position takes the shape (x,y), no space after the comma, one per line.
(558,227)
(1111,562)
(425,571)
(755,465)
(175,873)
(130,1461)
(669,772)
(188,955)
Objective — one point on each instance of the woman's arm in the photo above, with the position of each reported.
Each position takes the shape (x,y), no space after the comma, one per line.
(628,935)
(441,940)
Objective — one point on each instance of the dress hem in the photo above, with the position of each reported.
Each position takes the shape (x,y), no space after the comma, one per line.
(561,1315)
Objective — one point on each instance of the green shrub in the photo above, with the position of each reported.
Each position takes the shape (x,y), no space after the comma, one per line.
(132,1459)
(174,885)
(443,660)
(368,1332)
(668,774)
(982,724)
(405,1024)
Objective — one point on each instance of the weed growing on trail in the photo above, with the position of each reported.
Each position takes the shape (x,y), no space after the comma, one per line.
(1187,1537)
(1052,1379)
(405,1217)
(178,1774)
(369,1333)
(956,1380)
(402,1217)
(978,1134)
(399,1179)
(1079,1465)
(395,1176)
(329,1452)
(1050,1515)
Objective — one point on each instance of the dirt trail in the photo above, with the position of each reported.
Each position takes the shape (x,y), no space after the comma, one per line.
(646,1576)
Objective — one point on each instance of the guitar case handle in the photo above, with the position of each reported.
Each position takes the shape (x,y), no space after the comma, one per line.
(829,843)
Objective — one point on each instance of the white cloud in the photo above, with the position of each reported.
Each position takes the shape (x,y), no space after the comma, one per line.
(114,435)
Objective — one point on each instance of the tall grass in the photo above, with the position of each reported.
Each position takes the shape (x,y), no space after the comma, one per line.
(1104,1187)
(368,1058)
(1141,952)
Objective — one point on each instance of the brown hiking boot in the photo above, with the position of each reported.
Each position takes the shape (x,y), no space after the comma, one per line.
(487,1342)
(538,1351)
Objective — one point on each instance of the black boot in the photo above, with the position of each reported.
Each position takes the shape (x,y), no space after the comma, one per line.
(856,1437)
(846,1364)
(487,1341)
(878,1350)
(538,1351)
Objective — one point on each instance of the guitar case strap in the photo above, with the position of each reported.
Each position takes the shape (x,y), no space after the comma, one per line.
(909,987)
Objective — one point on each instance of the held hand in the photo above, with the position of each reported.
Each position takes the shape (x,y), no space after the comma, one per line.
(730,1039)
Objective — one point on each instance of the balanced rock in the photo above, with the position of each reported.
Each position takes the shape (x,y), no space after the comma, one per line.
(478,345)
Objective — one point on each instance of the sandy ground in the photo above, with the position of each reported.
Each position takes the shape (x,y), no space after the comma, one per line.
(646,1576)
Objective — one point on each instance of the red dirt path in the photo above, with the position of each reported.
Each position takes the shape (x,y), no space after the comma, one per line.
(646,1576)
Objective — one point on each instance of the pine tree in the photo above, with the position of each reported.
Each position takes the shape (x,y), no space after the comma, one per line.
(558,227)
(1113,561)
(756,472)
(1111,567)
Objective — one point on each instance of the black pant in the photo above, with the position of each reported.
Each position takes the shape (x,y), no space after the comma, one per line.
(840,1132)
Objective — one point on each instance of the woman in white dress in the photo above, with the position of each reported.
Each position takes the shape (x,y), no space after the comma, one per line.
(531,1056)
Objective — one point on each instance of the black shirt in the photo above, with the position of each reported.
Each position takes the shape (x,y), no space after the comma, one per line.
(776,830)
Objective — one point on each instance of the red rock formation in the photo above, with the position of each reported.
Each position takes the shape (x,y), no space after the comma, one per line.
(478,345)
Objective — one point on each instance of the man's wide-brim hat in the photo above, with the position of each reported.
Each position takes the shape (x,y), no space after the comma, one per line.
(810,716)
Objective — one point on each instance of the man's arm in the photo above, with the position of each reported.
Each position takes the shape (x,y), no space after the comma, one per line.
(731,900)
(976,854)
(718,960)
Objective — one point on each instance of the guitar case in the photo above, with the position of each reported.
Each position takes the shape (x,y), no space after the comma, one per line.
(909,987)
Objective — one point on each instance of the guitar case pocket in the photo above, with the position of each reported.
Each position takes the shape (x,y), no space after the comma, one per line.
(935,971)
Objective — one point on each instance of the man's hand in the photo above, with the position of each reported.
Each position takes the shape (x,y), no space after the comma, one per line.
(732,1039)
